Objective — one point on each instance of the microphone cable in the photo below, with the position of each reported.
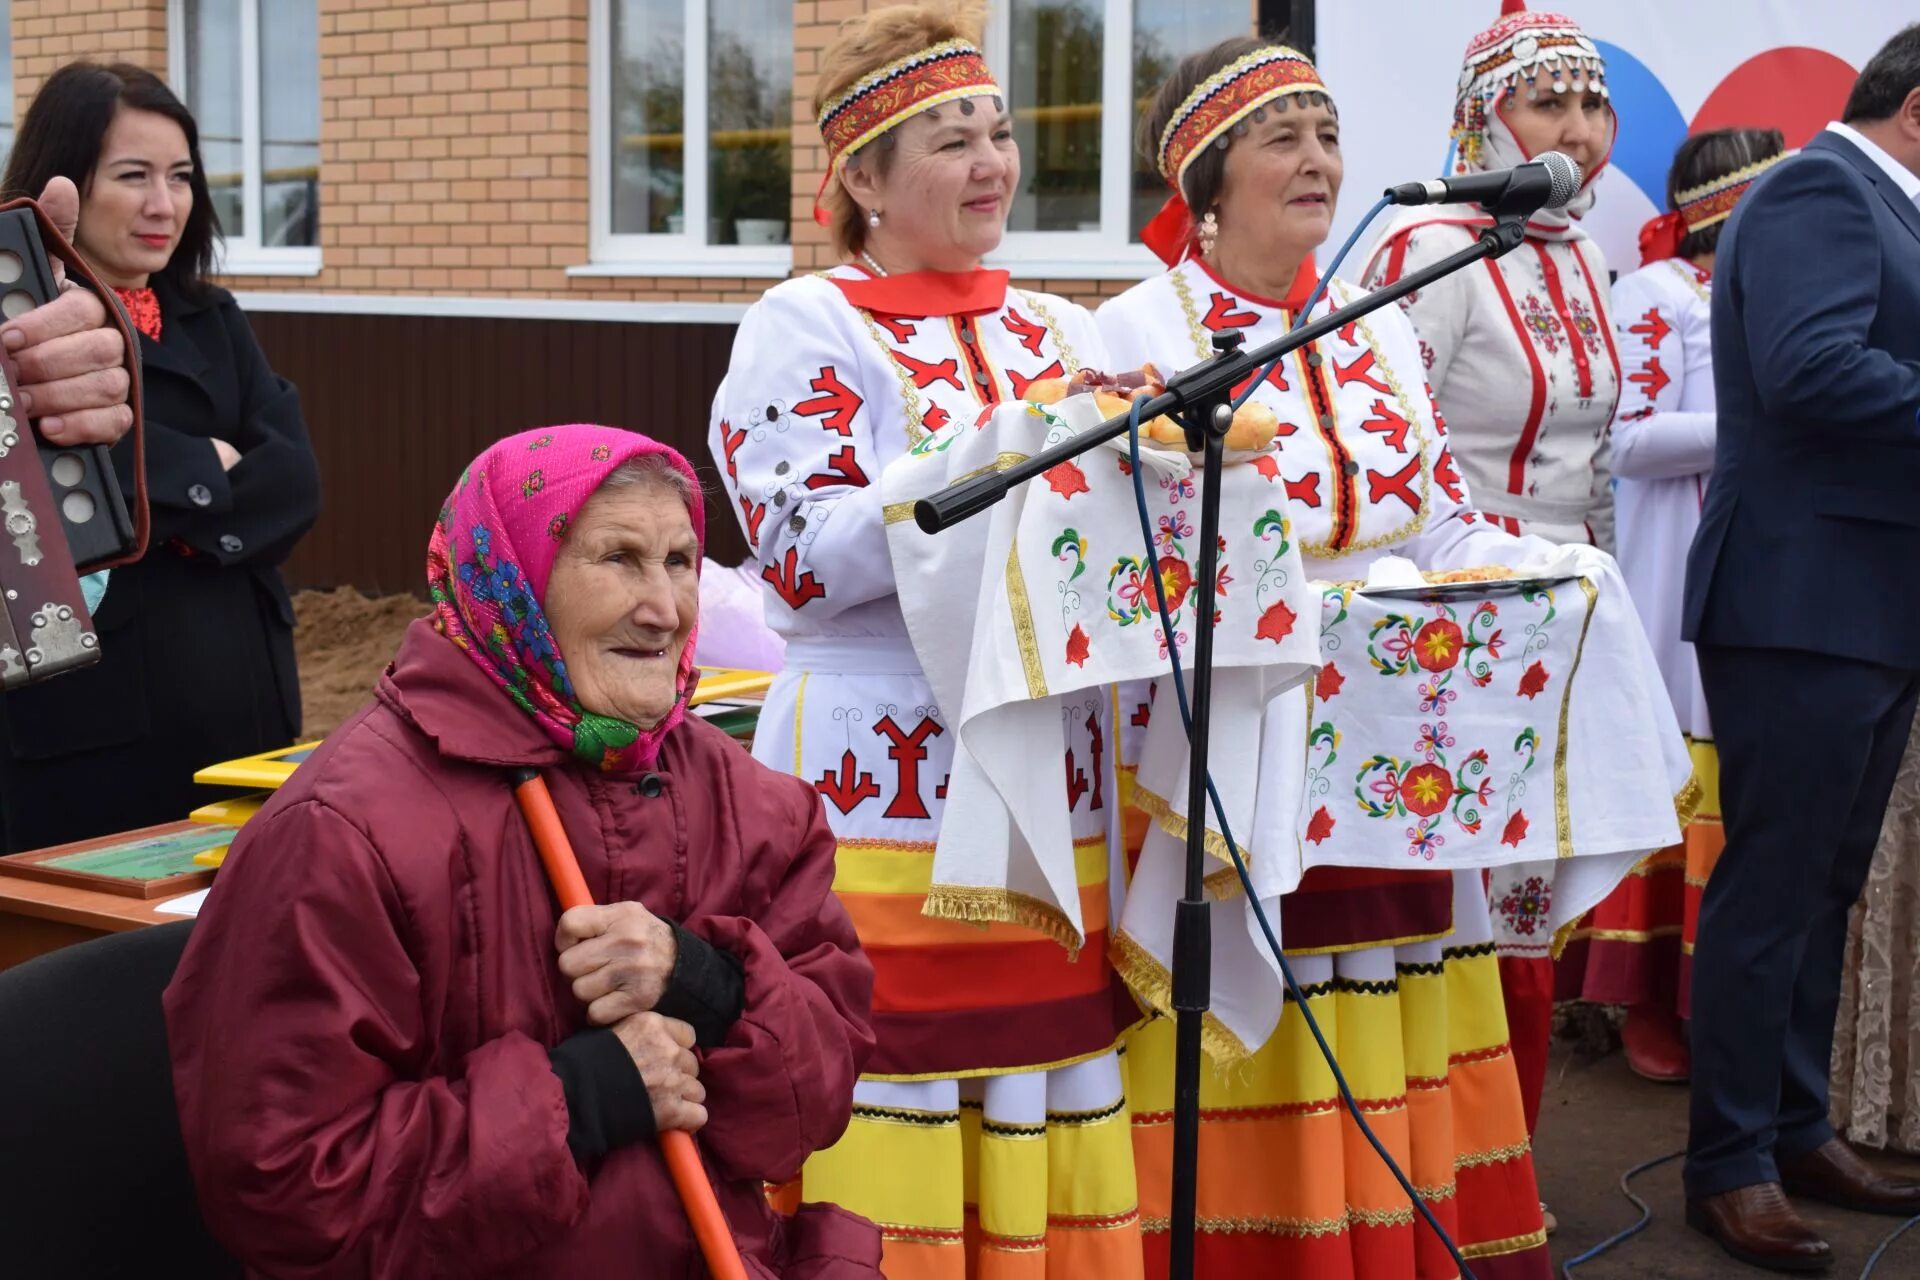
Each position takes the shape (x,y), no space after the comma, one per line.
(1866,1272)
(1646,1214)
(1319,291)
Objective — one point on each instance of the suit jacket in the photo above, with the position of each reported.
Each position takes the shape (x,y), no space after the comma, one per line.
(197,657)
(1810,538)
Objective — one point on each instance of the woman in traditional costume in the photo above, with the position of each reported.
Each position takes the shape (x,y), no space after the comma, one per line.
(396,1056)
(1521,355)
(990,1124)
(1407,989)
(1636,948)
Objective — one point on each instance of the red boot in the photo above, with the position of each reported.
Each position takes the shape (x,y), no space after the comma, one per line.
(1656,1043)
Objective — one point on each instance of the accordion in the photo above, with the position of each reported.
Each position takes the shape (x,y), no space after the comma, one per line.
(62,512)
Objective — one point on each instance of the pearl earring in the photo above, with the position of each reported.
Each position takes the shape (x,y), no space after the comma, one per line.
(873,218)
(1209,232)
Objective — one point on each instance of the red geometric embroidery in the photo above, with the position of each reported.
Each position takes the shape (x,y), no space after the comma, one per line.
(837,401)
(849,789)
(1305,490)
(1388,425)
(1221,315)
(1031,335)
(1398,485)
(1653,328)
(730,442)
(754,512)
(1021,384)
(1652,378)
(907,751)
(792,586)
(1361,370)
(841,469)
(925,375)
(1448,475)
(900,327)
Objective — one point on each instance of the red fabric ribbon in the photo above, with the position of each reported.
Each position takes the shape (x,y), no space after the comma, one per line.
(1660,238)
(1170,233)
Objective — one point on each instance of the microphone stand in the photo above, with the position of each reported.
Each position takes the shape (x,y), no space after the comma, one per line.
(1200,399)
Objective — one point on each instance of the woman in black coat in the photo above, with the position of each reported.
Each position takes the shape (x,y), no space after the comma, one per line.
(197,658)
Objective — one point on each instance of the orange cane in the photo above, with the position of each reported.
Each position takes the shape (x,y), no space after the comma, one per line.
(683,1160)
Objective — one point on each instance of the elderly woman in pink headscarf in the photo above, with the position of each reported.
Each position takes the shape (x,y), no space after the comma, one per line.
(395,1055)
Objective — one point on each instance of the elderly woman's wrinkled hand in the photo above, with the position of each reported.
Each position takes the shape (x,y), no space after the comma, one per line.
(620,958)
(662,1049)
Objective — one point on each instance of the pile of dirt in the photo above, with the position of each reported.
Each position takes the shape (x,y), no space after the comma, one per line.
(344,640)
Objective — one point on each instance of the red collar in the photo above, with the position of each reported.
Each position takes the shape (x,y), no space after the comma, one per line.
(1305,281)
(919,294)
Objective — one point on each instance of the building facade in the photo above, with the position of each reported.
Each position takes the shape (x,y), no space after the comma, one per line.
(450,221)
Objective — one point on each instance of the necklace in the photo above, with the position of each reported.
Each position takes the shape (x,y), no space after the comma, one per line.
(873,266)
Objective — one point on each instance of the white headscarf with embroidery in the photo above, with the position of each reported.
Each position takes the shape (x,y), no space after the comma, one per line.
(1532,54)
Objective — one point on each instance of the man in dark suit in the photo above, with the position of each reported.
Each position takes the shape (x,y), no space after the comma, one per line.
(1803,598)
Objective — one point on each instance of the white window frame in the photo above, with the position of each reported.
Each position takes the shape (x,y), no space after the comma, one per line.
(660,254)
(1086,255)
(242,254)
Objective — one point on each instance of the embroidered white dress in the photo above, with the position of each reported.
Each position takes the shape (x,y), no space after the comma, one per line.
(1401,963)
(1663,455)
(1521,356)
(987,1038)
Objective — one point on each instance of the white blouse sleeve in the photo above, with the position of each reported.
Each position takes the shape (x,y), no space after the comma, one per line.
(1652,438)
(792,432)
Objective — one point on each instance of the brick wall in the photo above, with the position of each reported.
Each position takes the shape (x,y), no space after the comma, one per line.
(50,33)
(454,143)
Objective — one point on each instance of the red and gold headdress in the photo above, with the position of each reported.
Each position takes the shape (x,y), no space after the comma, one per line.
(1706,205)
(902,89)
(1206,118)
(1527,52)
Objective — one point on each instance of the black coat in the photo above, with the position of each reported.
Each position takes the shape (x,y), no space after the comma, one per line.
(197,658)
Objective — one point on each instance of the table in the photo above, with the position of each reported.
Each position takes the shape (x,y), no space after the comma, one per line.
(36,917)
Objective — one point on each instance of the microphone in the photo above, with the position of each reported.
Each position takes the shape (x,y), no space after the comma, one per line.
(1547,181)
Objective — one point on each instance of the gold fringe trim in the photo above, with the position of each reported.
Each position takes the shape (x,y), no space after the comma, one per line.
(1153,985)
(1223,885)
(1500,1248)
(979,905)
(1626,935)
(1291,1228)
(1686,805)
(1157,808)
(1499,1155)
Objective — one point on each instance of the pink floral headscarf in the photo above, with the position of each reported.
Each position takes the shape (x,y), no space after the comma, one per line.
(489,560)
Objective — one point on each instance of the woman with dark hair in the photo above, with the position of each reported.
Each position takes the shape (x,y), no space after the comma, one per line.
(1636,951)
(197,637)
(1248,137)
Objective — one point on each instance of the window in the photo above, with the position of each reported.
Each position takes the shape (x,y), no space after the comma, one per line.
(1084,195)
(6,82)
(249,70)
(692,136)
